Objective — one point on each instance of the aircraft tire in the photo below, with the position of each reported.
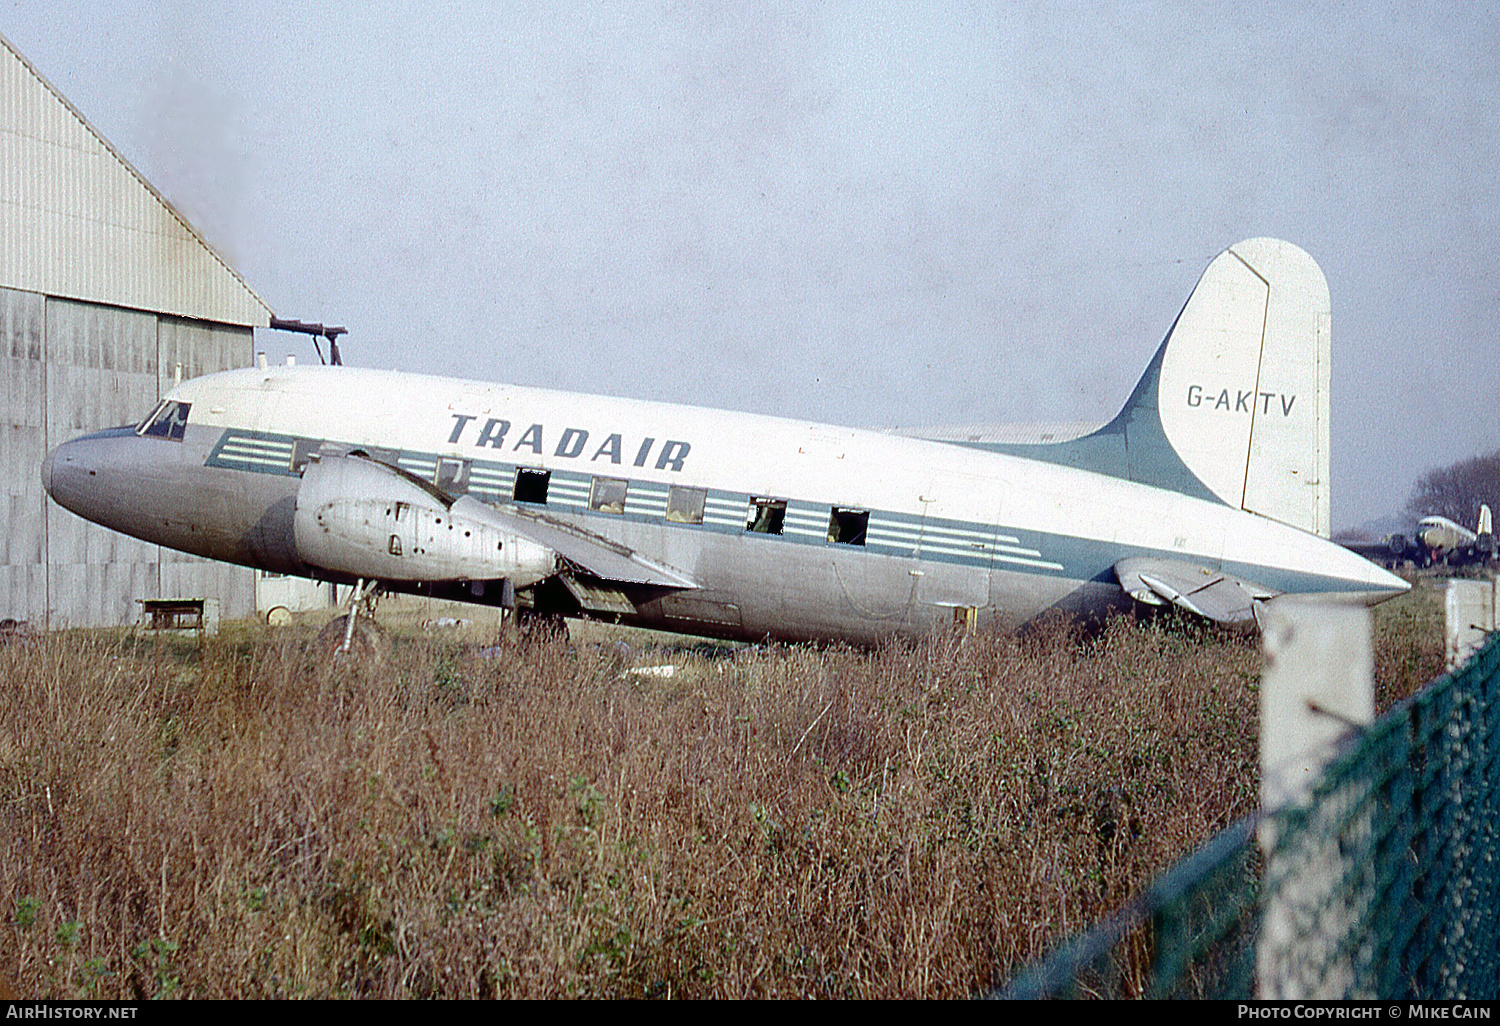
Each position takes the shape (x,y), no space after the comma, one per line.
(369,645)
(535,628)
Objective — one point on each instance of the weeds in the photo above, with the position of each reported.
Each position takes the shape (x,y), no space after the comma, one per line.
(237,820)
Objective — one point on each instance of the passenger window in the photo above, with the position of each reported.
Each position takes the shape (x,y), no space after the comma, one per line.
(168,420)
(848,526)
(608,495)
(531,485)
(452,476)
(685,505)
(765,516)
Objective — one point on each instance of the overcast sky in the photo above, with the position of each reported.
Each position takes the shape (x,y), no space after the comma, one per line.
(863,213)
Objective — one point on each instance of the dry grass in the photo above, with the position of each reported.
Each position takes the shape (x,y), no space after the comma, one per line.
(234,820)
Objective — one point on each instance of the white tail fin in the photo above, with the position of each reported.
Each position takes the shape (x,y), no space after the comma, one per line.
(1486,522)
(1234,405)
(1244,380)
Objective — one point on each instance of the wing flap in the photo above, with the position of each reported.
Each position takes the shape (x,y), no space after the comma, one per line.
(599,556)
(597,596)
(1200,590)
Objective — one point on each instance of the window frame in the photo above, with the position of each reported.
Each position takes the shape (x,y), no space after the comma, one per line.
(303,450)
(170,416)
(539,476)
(460,480)
(839,520)
(764,509)
(602,501)
(691,512)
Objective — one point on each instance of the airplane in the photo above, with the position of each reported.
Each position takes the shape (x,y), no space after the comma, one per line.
(1207,492)
(1451,542)
(1435,539)
(1389,551)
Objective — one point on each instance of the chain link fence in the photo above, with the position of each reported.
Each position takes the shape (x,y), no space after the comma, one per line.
(1383,882)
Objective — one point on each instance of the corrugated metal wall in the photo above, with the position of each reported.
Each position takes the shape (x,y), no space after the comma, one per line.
(100,368)
(104,289)
(202,349)
(70,368)
(23,442)
(78,221)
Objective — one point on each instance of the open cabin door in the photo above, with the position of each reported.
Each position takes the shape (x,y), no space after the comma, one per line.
(956,548)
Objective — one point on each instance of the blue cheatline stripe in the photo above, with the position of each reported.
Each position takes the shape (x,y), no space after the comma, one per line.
(725,512)
(492,479)
(646,499)
(889,533)
(803,521)
(259,445)
(1038,564)
(268,464)
(253,451)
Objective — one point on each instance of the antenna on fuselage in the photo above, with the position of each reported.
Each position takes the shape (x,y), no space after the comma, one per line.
(317,331)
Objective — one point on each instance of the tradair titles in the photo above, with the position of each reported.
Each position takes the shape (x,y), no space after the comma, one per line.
(1241,401)
(495,433)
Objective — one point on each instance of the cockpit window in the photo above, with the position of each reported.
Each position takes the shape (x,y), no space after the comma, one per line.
(140,428)
(168,420)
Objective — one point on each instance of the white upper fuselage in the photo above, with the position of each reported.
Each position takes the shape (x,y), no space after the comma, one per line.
(1209,490)
(1042,515)
(1441,534)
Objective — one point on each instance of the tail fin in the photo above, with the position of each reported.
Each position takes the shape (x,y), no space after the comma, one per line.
(1244,380)
(1486,521)
(1234,405)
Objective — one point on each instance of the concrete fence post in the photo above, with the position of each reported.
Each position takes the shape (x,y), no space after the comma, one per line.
(1316,691)
(1469,609)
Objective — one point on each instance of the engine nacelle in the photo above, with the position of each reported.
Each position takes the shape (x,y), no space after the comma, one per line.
(362,518)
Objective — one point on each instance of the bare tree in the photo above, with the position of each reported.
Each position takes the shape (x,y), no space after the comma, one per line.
(1456,491)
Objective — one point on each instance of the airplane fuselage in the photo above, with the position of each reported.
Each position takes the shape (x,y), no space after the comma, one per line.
(785,529)
(1440,534)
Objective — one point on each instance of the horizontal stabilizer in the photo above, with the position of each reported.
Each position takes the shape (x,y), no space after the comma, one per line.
(1211,594)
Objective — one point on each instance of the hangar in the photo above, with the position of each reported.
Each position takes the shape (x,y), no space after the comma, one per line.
(107,295)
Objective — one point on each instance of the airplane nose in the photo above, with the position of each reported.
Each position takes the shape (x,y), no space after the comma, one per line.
(120,480)
(70,473)
(60,473)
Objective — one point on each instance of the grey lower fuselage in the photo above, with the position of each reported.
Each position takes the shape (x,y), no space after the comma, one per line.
(940,548)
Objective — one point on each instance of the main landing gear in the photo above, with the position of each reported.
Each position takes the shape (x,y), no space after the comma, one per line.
(355,637)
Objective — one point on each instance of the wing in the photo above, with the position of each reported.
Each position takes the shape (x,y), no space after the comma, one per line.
(1202,591)
(592,553)
(358,516)
(1393,547)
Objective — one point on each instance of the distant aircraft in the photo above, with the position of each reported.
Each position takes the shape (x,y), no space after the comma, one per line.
(1208,491)
(1435,540)
(1452,542)
(1393,550)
